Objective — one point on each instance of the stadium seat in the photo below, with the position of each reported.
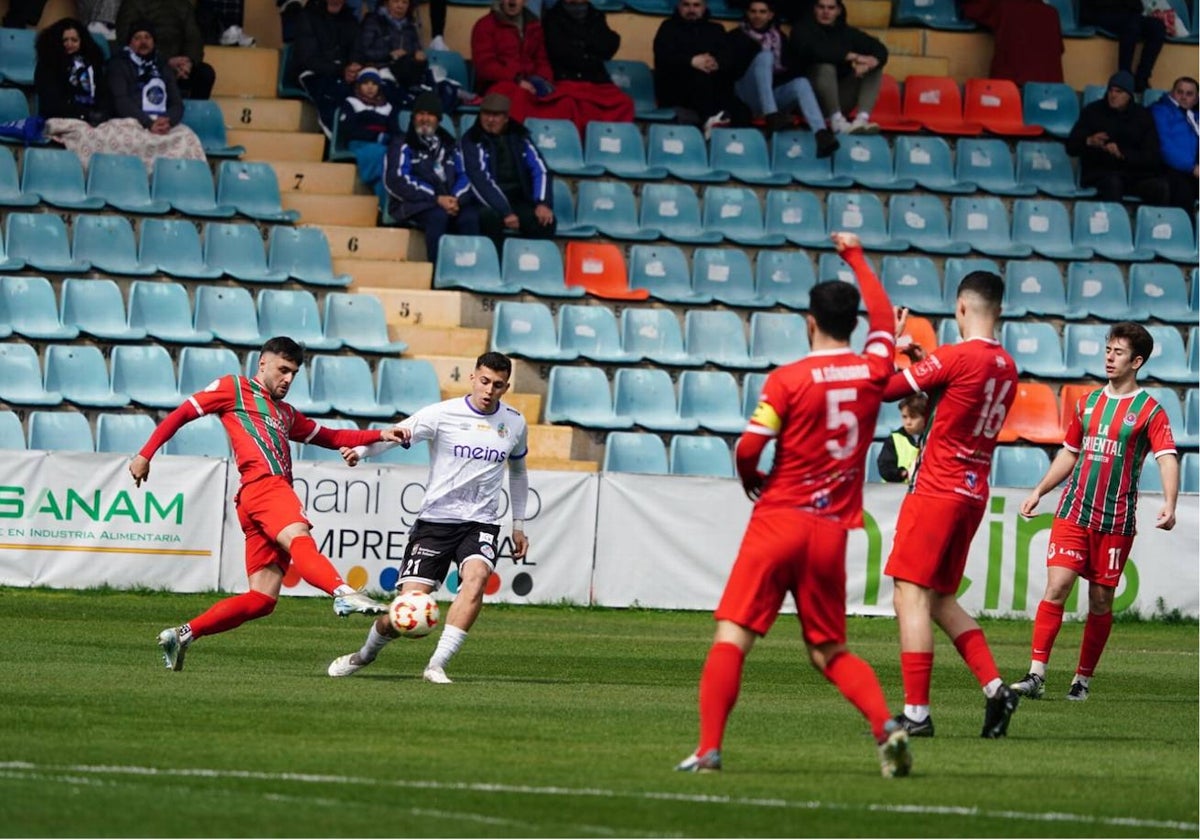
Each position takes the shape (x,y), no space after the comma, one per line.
(147,374)
(711,397)
(719,337)
(173,245)
(345,382)
(888,112)
(1159,289)
(163,311)
(861,214)
(778,337)
(935,14)
(867,160)
(1092,93)
(936,103)
(536,266)
(984,223)
(360,322)
(647,396)
(33,311)
(600,269)
(237,250)
(743,153)
(725,274)
(653,334)
(1167,231)
(1189,433)
(1083,348)
(23,382)
(797,215)
(1052,105)
(735,213)
(187,185)
(203,437)
(1033,416)
(107,243)
(1149,478)
(1069,21)
(96,308)
(313,452)
(408,384)
(14,107)
(415,455)
(674,211)
(60,431)
(927,161)
(1169,360)
(199,367)
(914,282)
(681,150)
(1069,397)
(794,153)
(1046,167)
(120,182)
(526,330)
(126,432)
(887,421)
(1171,404)
(1098,289)
(620,150)
(580,396)
(1189,473)
(872,475)
(56,176)
(636,79)
(1104,227)
(1036,349)
(785,277)
(704,455)
(752,387)
(293,313)
(1043,225)
(662,271)
(302,253)
(470,263)
(564,213)
(1018,466)
(919,331)
(591,332)
(39,240)
(204,117)
(558,142)
(228,313)
(996,105)
(10,182)
(1187,17)
(635,452)
(1194,293)
(609,207)
(920,220)
(1033,287)
(988,165)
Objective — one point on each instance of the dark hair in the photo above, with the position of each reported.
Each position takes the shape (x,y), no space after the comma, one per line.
(986,285)
(1187,79)
(281,345)
(50,49)
(834,305)
(917,404)
(494,361)
(1139,338)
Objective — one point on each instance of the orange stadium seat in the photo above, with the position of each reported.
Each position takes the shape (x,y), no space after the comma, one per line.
(935,102)
(1034,416)
(917,330)
(600,269)
(996,105)
(1068,397)
(888,113)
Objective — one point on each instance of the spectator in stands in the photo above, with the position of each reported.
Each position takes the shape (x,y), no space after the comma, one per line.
(508,49)
(844,65)
(69,76)
(1027,44)
(389,39)
(507,175)
(177,36)
(900,449)
(688,72)
(323,56)
(100,17)
(1128,20)
(367,122)
(1176,120)
(579,41)
(1117,146)
(221,22)
(426,181)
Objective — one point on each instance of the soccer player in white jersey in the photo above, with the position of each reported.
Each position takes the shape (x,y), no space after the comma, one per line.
(472,439)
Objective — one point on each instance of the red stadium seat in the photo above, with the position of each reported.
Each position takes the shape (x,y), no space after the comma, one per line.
(1068,397)
(936,103)
(887,113)
(600,270)
(1034,416)
(996,104)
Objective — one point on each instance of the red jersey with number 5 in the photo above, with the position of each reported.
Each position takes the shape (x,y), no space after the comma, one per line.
(971,386)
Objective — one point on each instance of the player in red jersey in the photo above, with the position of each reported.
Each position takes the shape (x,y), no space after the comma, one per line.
(971,386)
(1109,435)
(260,424)
(821,411)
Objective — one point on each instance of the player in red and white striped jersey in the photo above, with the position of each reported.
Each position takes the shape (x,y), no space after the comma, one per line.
(1110,432)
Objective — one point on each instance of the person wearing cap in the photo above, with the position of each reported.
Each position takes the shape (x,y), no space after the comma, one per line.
(425,180)
(178,39)
(1128,22)
(1117,146)
(367,122)
(507,175)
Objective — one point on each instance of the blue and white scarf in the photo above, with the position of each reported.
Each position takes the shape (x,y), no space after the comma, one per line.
(150,80)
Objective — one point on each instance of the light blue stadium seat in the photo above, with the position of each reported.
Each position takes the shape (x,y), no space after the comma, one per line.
(1098,289)
(752,387)
(914,282)
(1189,473)
(1159,289)
(1187,17)
(162,309)
(470,262)
(704,455)
(203,437)
(199,367)
(988,164)
(743,153)
(10,182)
(13,106)
(1169,360)
(1036,349)
(147,374)
(57,177)
(9,263)
(1173,406)
(237,250)
(681,150)
(187,185)
(862,214)
(1018,466)
(712,398)
(12,435)
(794,153)
(1194,293)
(558,142)
(591,331)
(204,117)
(1046,167)
(664,271)
(1092,92)
(120,182)
(948,332)
(1189,434)
(984,223)
(1052,105)
(725,274)
(873,476)
(536,266)
(719,337)
(1083,346)
(735,213)
(32,309)
(454,64)
(935,14)
(636,79)
(302,253)
(654,335)
(635,452)
(581,396)
(126,432)
(23,382)
(39,240)
(647,396)
(293,313)
(1104,227)
(778,337)
(360,322)
(95,307)
(797,215)
(253,189)
(346,383)
(927,161)
(1150,479)
(312,452)
(1069,22)
(527,330)
(416,455)
(408,384)
(785,277)
(920,220)
(174,246)
(564,213)
(1167,231)
(63,431)
(228,313)
(107,243)
(674,211)
(619,148)
(887,421)
(1044,226)
(1034,287)
(867,160)
(609,206)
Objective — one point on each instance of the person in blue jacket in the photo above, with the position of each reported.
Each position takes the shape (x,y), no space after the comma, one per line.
(1175,118)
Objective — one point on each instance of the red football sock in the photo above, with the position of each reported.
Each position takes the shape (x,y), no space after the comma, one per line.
(314,566)
(232,612)
(973,648)
(916,669)
(858,684)
(719,684)
(1045,630)
(1095,637)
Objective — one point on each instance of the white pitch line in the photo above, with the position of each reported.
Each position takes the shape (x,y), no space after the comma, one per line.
(529,790)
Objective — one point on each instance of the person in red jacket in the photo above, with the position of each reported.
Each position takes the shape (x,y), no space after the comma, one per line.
(509,53)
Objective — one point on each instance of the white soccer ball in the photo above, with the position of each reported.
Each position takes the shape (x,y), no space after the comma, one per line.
(413,614)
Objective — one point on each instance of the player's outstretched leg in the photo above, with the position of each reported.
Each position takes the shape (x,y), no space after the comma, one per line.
(895,758)
(377,637)
(224,615)
(316,569)
(173,646)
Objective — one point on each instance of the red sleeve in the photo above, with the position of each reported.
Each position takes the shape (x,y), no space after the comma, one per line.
(1073,439)
(1162,439)
(168,427)
(897,387)
(881,318)
(749,449)
(932,372)
(306,430)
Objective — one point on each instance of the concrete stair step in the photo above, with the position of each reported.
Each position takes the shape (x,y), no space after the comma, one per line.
(903,66)
(316,208)
(278,145)
(257,114)
(307,176)
(376,243)
(454,373)
(555,464)
(440,341)
(416,307)
(244,71)
(869,14)
(388,274)
(900,42)
(549,441)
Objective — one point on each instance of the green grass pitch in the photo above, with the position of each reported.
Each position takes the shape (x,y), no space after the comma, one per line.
(562,722)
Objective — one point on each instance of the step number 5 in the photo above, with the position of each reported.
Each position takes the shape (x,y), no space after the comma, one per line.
(837,417)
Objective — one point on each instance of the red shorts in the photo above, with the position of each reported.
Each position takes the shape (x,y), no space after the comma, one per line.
(1093,555)
(933,536)
(785,551)
(265,507)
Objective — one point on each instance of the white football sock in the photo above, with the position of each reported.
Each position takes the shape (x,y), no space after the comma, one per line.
(451,640)
(371,647)
(991,688)
(1038,669)
(916,713)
